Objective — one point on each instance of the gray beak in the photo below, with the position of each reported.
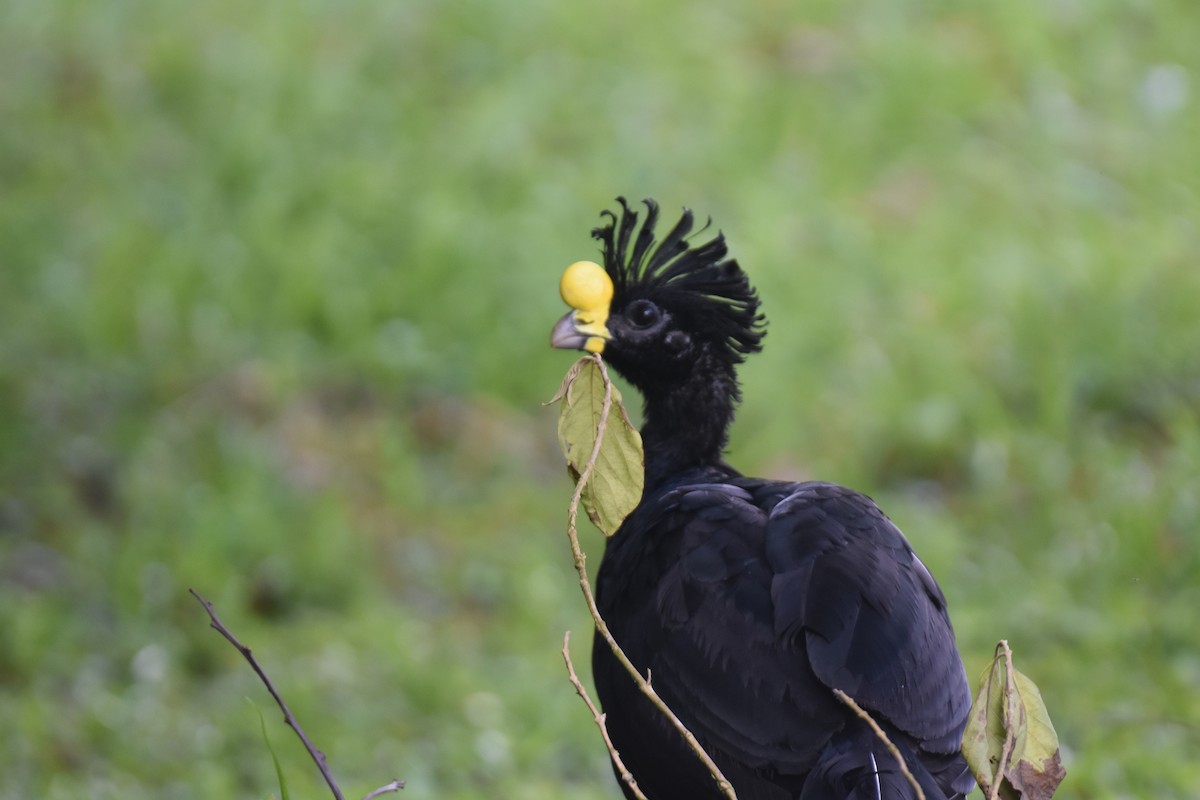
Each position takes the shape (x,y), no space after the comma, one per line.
(566,336)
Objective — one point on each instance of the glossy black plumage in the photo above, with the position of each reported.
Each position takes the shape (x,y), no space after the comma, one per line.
(748,600)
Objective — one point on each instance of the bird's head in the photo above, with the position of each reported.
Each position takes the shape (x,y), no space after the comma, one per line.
(658,308)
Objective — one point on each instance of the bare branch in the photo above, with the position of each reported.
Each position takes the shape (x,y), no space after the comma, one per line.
(643,684)
(599,718)
(883,737)
(317,756)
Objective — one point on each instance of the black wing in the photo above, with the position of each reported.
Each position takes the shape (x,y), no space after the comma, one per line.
(872,618)
(747,603)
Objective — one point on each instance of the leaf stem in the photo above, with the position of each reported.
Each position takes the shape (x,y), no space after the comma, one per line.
(1009,715)
(580,559)
(599,718)
(883,737)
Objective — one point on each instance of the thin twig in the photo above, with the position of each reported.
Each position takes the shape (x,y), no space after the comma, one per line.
(394,786)
(317,756)
(883,737)
(643,684)
(1009,738)
(599,718)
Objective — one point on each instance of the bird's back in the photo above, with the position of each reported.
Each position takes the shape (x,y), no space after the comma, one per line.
(748,601)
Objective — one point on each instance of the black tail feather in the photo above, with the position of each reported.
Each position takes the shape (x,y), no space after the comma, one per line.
(856,765)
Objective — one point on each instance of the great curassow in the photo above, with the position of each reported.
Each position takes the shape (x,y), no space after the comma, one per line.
(747,600)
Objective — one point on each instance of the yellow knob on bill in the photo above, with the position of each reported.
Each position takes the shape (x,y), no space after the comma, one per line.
(587,289)
(585,286)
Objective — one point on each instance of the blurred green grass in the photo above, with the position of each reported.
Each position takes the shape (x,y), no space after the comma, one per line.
(275,287)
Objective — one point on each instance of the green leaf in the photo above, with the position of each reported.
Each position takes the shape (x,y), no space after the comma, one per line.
(1009,706)
(614,487)
(283,788)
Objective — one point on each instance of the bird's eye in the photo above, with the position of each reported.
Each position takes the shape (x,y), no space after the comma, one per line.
(642,314)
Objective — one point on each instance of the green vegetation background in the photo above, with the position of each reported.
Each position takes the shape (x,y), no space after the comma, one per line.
(277,280)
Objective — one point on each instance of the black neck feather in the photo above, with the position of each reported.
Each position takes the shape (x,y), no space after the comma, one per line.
(687,423)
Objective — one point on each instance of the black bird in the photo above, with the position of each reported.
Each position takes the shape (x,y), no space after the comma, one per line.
(749,600)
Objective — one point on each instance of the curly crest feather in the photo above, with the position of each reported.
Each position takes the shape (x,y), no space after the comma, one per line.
(694,280)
